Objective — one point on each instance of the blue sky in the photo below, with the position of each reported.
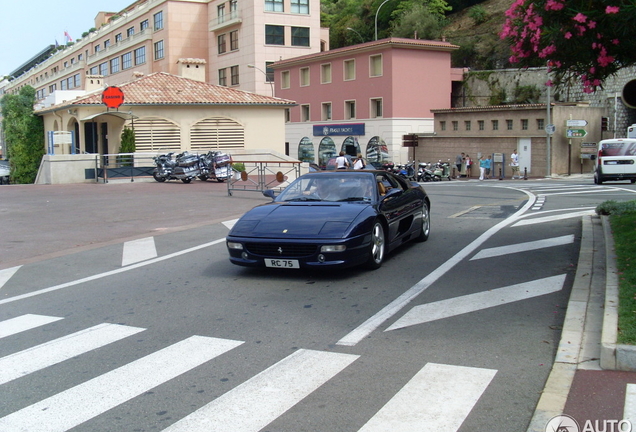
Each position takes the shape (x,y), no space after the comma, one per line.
(28,26)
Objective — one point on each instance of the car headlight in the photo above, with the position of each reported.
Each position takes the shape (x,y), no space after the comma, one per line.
(235,245)
(333,248)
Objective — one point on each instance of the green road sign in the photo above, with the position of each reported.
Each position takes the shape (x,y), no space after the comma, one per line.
(575,133)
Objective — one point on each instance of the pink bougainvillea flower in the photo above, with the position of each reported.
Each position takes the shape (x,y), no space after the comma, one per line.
(612,9)
(579,17)
(549,83)
(567,35)
(591,24)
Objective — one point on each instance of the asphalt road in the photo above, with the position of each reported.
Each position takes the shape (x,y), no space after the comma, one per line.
(460,331)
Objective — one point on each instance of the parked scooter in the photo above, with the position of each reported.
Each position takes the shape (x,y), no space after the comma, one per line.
(424,173)
(441,170)
(185,167)
(216,166)
(408,171)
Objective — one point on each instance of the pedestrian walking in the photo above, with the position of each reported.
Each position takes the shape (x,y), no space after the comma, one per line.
(482,167)
(488,165)
(514,164)
(459,160)
(469,164)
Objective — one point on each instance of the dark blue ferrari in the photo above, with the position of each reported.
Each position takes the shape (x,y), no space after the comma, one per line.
(332,219)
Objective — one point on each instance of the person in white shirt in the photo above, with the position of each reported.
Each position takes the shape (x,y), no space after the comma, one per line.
(359,162)
(341,161)
(514,164)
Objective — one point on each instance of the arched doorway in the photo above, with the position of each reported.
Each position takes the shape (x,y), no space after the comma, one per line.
(326,151)
(306,150)
(377,151)
(351,146)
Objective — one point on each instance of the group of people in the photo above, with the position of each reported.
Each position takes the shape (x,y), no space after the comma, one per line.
(342,162)
(485,165)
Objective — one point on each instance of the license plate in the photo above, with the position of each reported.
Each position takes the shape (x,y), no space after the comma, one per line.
(281,263)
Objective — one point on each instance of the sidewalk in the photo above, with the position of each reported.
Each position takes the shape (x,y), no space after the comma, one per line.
(584,382)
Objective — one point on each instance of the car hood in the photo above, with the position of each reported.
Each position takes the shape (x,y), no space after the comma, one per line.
(299,220)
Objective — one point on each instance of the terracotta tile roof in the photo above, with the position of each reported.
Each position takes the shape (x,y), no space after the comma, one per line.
(161,88)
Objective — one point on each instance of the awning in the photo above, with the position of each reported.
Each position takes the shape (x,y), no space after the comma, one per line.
(121,115)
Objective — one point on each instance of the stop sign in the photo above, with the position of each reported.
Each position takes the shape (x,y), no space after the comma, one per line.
(113,97)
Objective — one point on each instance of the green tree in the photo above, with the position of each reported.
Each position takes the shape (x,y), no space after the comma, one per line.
(127,146)
(588,39)
(24,134)
(418,20)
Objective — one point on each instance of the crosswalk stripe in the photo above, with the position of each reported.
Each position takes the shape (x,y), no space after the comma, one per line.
(47,354)
(138,250)
(254,404)
(23,323)
(478,301)
(7,274)
(438,398)
(523,247)
(76,405)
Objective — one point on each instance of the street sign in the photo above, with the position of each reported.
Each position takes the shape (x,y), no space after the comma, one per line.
(575,133)
(112,97)
(550,129)
(576,123)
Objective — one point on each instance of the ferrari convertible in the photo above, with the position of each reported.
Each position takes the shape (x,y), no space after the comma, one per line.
(332,219)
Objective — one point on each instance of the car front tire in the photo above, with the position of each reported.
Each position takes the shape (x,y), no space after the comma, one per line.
(377,247)
(425,231)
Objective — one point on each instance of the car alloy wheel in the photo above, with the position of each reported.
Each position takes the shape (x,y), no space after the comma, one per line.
(377,246)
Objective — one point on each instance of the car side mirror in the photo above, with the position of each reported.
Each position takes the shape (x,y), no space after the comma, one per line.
(269,193)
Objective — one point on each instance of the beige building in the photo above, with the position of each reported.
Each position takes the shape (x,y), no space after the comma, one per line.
(481,131)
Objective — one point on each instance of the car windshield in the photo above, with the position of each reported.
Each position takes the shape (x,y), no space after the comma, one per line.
(320,187)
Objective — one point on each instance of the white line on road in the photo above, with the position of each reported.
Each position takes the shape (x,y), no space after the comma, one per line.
(7,274)
(76,405)
(545,219)
(254,404)
(438,398)
(478,301)
(629,409)
(23,323)
(138,250)
(523,247)
(47,354)
(396,305)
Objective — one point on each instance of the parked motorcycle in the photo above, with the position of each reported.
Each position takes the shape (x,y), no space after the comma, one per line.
(424,173)
(441,170)
(216,166)
(407,171)
(185,167)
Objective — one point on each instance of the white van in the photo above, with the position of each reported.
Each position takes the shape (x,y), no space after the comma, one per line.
(616,160)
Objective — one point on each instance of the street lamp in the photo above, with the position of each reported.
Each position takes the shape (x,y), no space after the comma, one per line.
(361,38)
(271,84)
(376,19)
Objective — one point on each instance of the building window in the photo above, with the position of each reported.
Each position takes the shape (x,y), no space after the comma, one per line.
(221,43)
(326,111)
(223,77)
(78,80)
(376,108)
(97,48)
(300,36)
(495,124)
(274,35)
(234,40)
(284,80)
(304,77)
(158,20)
(524,124)
(509,124)
(93,71)
(442,125)
(269,72)
(467,125)
(455,125)
(106,43)
(159,50)
(325,73)
(126,61)
(63,85)
(143,25)
(118,37)
(130,32)
(220,13)
(540,124)
(52,88)
(375,65)
(233,8)
(287,115)
(80,57)
(481,125)
(114,65)
(350,110)
(304,112)
(349,70)
(234,75)
(103,69)
(274,6)
(140,55)
(65,64)
(300,6)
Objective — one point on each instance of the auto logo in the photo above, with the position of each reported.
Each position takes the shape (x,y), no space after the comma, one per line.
(325,130)
(280,250)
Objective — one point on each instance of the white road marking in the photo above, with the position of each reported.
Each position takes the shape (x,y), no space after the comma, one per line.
(47,354)
(523,247)
(76,405)
(478,301)
(545,219)
(138,250)
(229,224)
(396,305)
(257,402)
(629,410)
(7,274)
(438,398)
(110,273)
(23,323)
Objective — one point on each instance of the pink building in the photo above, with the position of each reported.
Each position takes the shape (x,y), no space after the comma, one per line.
(364,98)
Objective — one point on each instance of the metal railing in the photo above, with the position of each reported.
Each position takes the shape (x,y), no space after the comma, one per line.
(259,176)
(123,166)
